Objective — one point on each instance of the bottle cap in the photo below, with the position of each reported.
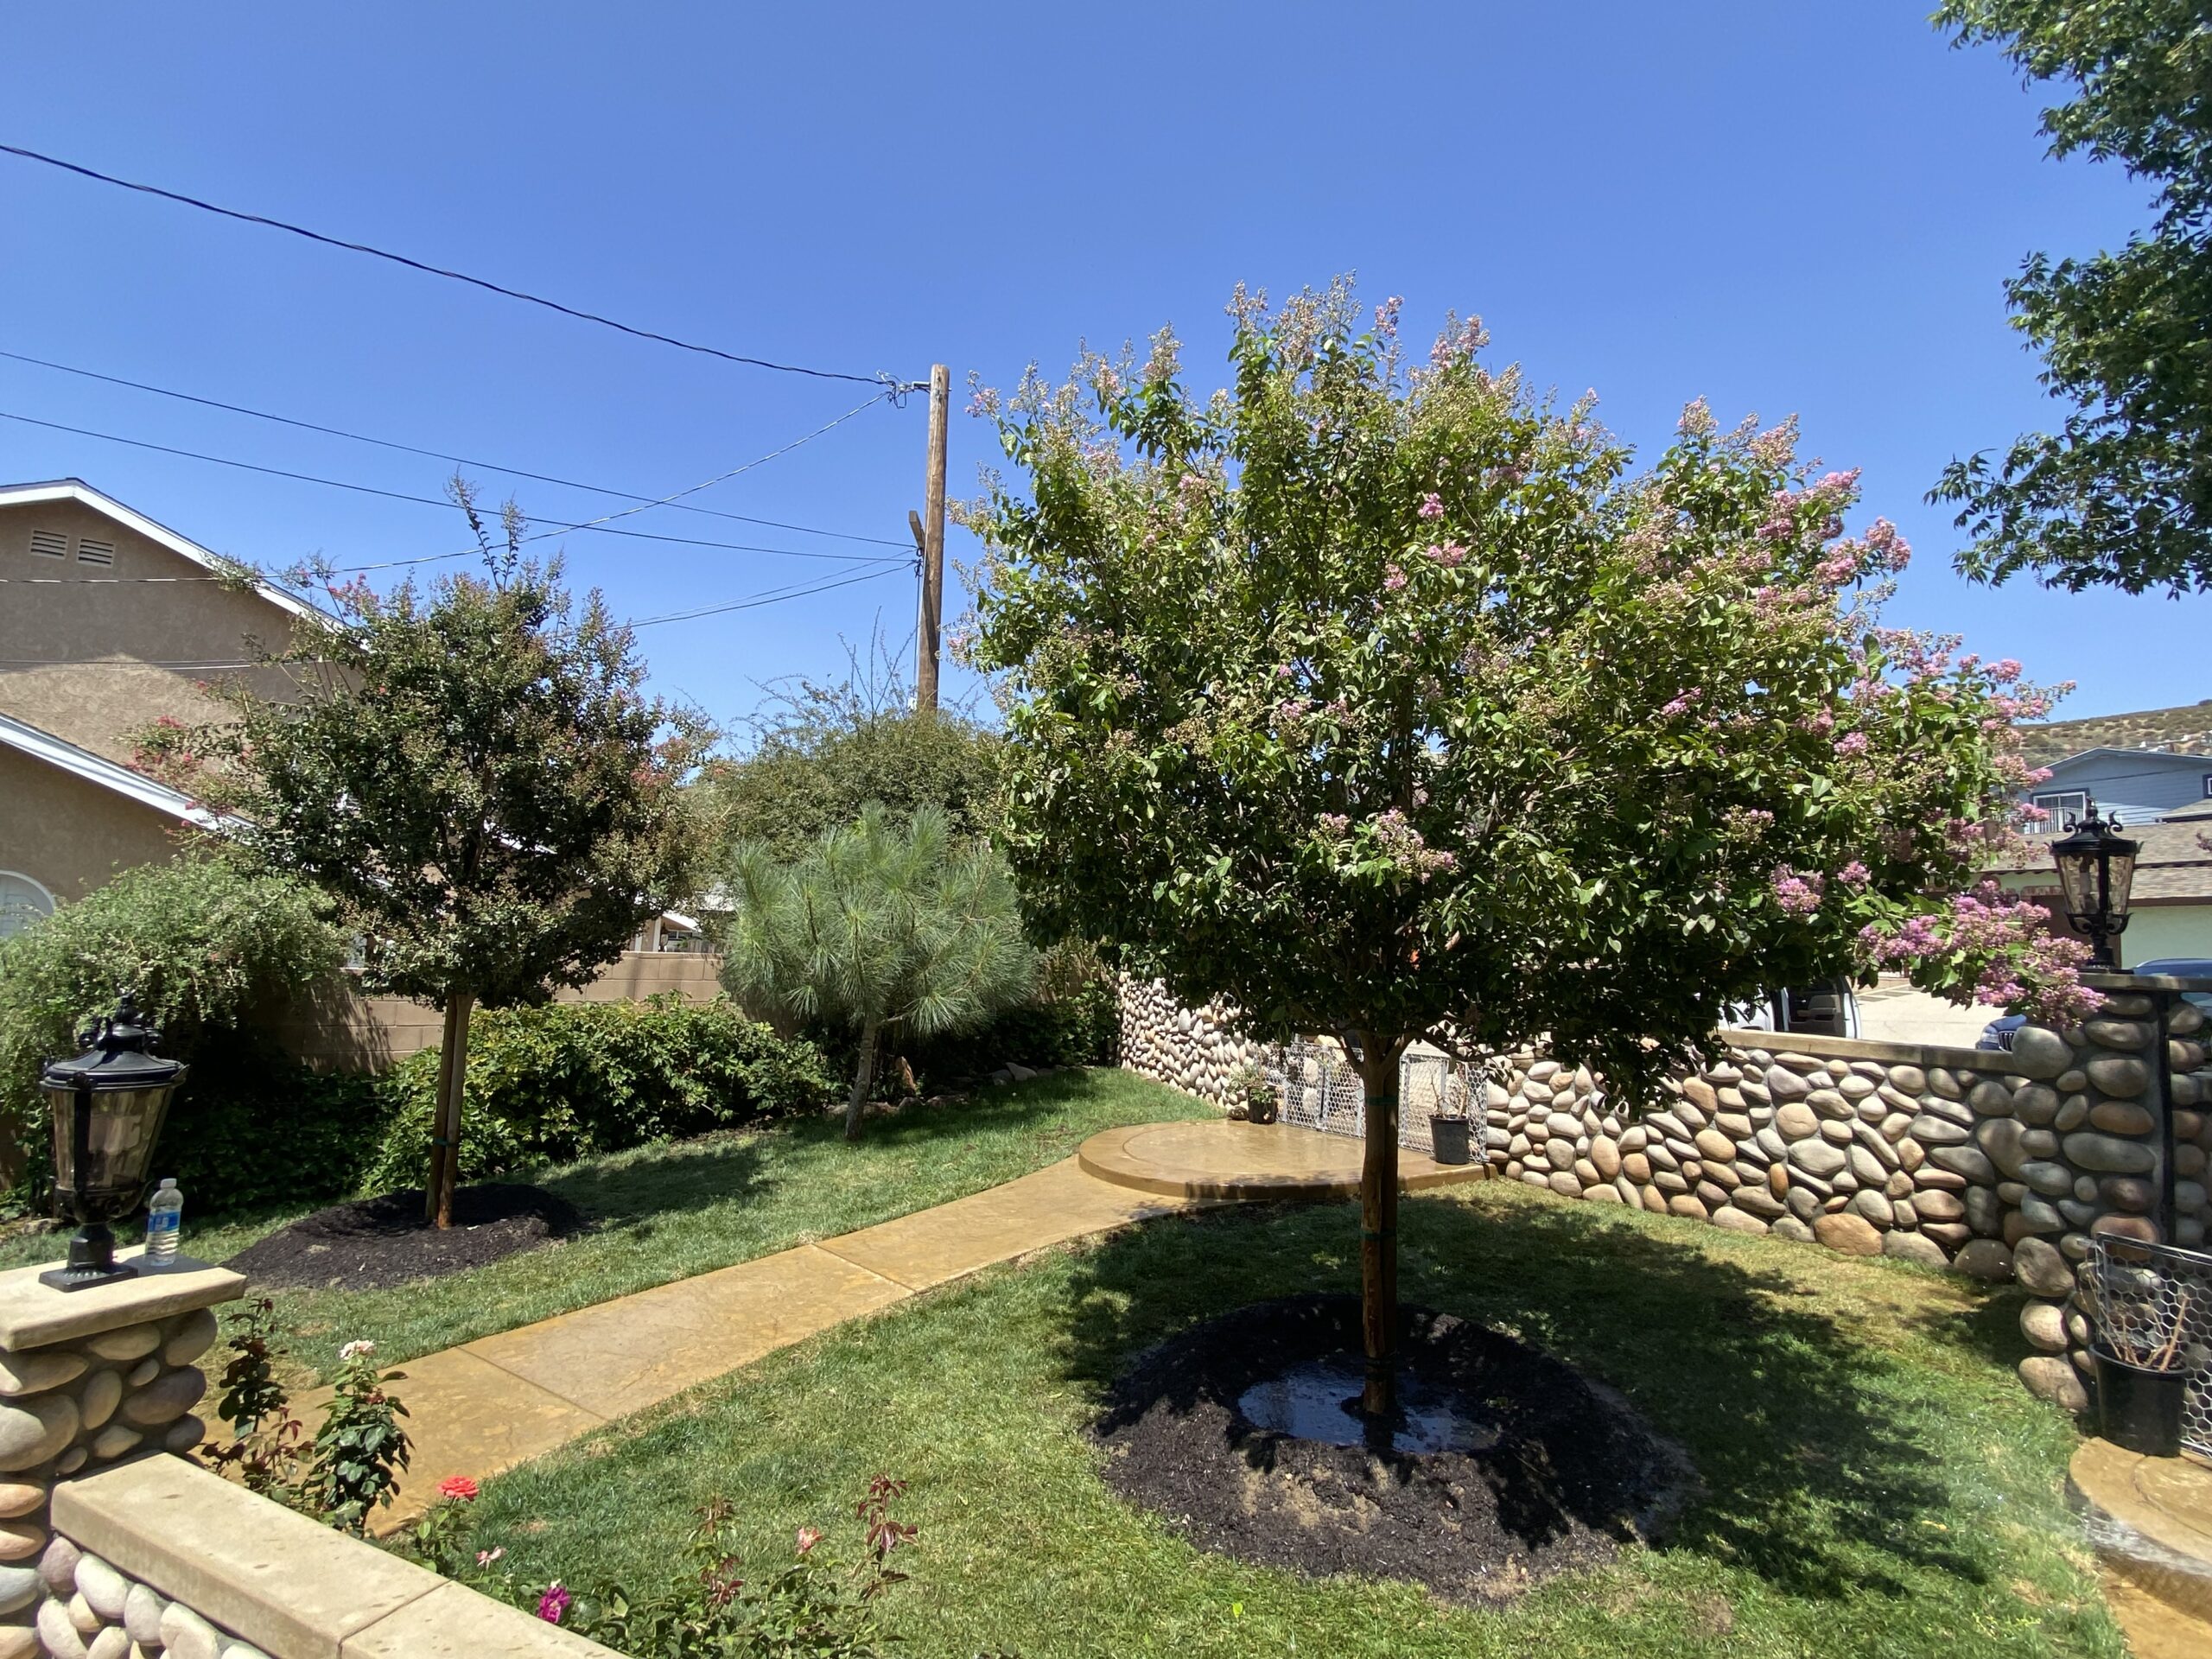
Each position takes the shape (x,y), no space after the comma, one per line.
(168,1183)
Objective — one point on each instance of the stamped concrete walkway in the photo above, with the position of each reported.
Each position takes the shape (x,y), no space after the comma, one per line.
(488,1405)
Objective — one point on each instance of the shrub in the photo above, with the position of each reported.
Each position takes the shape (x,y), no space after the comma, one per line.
(830,751)
(547,1085)
(199,941)
(1074,1019)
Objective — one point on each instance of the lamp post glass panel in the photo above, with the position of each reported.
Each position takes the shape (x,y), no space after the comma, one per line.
(2097,868)
(107,1106)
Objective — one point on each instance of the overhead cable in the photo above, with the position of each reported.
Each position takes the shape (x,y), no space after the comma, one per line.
(458,460)
(886,381)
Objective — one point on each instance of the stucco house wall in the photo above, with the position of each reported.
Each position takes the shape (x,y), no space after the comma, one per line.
(70,835)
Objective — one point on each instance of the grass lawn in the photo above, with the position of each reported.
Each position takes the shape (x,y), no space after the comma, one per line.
(1876,1481)
(669,1212)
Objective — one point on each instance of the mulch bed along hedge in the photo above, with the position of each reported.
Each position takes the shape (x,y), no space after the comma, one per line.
(1566,1471)
(382,1241)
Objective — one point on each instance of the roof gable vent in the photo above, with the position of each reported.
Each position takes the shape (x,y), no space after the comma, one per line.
(92,552)
(50,543)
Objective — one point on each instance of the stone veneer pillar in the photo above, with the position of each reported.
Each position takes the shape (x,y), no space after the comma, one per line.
(88,1377)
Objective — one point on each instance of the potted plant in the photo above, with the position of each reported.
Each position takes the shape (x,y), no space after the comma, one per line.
(1450,1131)
(2142,1356)
(1252,1097)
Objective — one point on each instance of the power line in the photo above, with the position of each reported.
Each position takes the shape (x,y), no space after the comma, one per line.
(557,526)
(883,380)
(774,597)
(439,454)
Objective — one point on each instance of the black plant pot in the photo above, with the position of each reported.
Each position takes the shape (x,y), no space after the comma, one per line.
(1451,1140)
(2137,1409)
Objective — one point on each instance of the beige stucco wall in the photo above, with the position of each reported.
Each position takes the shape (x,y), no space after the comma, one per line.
(339,1030)
(2159,930)
(84,660)
(70,835)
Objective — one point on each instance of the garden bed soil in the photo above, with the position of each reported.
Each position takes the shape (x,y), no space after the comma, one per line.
(379,1242)
(1566,1473)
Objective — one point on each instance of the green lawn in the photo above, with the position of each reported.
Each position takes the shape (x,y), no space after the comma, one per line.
(670,1211)
(1876,1482)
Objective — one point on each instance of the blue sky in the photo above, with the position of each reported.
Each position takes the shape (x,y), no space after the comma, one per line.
(1782,208)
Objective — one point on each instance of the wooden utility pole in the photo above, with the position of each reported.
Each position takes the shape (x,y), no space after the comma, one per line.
(932,540)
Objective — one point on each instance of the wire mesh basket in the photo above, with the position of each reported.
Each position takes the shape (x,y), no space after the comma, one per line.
(1321,1089)
(2151,1304)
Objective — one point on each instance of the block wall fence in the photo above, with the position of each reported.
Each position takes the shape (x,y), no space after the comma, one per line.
(1999,1165)
(114,1545)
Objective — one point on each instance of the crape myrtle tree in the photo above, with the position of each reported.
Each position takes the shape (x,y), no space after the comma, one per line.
(1387,700)
(476,778)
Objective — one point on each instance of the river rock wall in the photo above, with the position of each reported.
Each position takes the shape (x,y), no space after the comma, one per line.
(2000,1165)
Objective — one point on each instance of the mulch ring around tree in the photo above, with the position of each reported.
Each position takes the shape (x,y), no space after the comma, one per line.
(1540,1469)
(382,1241)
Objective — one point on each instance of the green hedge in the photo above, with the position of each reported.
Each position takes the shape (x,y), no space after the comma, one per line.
(549,1084)
(254,1128)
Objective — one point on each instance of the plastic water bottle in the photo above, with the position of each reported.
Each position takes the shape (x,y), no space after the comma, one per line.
(164,1210)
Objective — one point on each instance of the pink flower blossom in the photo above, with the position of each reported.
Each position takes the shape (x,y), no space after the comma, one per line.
(1854,874)
(2005,673)
(1852,743)
(1449,554)
(1393,578)
(1432,506)
(807,1538)
(553,1605)
(1680,704)
(1798,895)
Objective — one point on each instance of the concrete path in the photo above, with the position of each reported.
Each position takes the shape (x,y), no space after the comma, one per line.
(488,1405)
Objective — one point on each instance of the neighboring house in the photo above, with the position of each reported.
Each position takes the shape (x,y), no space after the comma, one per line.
(2171,903)
(2145,766)
(108,622)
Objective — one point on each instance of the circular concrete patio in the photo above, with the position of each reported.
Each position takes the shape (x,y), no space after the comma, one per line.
(1242,1162)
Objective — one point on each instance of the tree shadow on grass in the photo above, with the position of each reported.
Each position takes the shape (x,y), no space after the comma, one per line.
(1818,1451)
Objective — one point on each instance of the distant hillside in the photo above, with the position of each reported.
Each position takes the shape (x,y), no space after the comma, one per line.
(2186,730)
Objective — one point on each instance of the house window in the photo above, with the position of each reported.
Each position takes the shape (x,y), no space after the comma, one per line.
(91,552)
(50,543)
(2208,786)
(2062,804)
(22,901)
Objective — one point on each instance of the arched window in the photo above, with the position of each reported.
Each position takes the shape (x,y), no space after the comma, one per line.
(22,901)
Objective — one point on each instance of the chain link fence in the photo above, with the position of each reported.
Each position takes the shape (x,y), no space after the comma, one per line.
(2151,1304)
(1320,1089)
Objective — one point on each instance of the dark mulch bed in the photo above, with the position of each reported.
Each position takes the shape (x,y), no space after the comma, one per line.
(380,1243)
(1569,1473)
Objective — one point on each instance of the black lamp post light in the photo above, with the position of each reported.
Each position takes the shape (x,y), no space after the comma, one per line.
(108,1105)
(2096,868)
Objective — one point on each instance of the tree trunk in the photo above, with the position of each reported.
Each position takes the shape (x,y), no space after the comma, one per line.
(434,1178)
(863,1080)
(445,1148)
(1378,1227)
